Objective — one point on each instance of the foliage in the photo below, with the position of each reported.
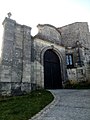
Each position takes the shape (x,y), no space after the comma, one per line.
(77,85)
(24,107)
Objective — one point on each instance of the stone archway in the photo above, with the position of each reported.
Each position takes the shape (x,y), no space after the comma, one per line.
(52,70)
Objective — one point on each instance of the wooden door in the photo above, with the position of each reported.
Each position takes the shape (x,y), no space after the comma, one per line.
(52,72)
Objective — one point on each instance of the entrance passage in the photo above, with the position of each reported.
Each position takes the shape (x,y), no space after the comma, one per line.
(52,72)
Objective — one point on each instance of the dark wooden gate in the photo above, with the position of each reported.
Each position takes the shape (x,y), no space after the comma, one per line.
(52,72)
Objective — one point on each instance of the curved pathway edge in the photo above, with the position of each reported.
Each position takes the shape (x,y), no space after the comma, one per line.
(46,109)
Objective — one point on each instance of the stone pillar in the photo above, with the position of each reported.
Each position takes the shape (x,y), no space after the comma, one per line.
(17,61)
(26,77)
(15,68)
(7,56)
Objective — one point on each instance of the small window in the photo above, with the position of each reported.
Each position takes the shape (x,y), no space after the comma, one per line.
(69,60)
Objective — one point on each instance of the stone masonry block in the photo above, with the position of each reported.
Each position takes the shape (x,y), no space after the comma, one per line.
(16,88)
(26,87)
(5,88)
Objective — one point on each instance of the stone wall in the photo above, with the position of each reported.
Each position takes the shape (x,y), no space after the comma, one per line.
(74,32)
(7,56)
(16,58)
(22,61)
(49,33)
(40,46)
(71,34)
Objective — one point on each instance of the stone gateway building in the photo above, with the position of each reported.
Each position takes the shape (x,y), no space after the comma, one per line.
(46,60)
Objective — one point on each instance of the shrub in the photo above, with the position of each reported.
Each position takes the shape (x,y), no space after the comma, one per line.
(77,85)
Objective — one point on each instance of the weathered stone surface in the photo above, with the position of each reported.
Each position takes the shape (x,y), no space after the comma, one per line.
(49,33)
(5,88)
(25,87)
(74,32)
(16,88)
(39,49)
(22,60)
(16,55)
(72,74)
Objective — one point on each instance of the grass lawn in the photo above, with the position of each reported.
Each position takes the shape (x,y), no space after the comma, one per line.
(24,107)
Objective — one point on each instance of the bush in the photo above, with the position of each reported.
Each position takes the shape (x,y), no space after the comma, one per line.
(77,85)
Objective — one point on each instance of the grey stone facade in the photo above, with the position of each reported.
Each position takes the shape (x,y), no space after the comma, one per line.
(22,60)
(16,58)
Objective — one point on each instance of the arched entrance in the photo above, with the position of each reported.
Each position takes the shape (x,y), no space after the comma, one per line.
(52,72)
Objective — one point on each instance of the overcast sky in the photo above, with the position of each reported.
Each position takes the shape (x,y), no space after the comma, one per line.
(55,12)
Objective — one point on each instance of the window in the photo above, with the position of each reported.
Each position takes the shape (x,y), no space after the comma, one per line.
(69,60)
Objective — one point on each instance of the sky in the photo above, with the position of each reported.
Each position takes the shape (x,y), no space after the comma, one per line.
(55,12)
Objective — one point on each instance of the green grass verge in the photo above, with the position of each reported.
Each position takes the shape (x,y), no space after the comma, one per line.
(24,107)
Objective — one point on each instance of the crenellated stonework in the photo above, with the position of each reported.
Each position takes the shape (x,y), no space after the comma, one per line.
(22,67)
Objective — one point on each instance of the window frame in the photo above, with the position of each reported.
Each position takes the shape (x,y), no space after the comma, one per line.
(69,60)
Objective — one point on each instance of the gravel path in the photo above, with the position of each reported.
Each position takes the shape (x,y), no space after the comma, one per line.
(67,105)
